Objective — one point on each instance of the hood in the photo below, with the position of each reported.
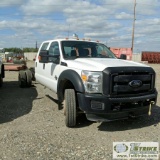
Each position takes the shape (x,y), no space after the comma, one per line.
(99,64)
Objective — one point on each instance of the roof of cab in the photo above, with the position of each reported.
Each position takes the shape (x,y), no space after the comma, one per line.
(69,39)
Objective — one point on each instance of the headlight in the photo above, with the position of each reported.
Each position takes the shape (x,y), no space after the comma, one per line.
(92,81)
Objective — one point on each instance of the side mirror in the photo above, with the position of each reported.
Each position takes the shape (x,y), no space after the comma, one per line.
(43,56)
(123,56)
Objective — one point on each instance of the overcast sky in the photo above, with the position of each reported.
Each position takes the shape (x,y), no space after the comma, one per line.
(23,22)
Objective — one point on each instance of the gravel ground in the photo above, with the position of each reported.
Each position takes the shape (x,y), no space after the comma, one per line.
(32,127)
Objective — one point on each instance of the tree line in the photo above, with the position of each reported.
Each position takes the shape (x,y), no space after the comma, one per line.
(19,50)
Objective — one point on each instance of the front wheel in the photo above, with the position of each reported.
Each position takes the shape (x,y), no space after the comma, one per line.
(70,107)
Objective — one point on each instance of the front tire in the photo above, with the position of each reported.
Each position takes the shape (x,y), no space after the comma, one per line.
(70,107)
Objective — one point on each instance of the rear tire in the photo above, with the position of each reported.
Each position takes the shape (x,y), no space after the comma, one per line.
(32,69)
(29,77)
(22,79)
(70,107)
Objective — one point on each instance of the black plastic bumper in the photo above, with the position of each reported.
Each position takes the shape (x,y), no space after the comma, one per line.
(103,108)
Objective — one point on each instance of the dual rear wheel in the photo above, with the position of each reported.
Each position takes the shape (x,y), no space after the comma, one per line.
(25,78)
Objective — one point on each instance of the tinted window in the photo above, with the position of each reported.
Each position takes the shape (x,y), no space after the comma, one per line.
(54,49)
(44,46)
(54,53)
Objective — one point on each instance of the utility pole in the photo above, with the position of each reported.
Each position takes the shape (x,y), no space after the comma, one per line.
(133,25)
(36,45)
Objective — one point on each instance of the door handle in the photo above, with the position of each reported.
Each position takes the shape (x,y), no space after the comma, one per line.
(43,65)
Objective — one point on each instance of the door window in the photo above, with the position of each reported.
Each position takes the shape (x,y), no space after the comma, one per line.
(44,46)
(54,51)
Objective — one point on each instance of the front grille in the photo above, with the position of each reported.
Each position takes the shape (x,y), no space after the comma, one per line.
(121,83)
(127,81)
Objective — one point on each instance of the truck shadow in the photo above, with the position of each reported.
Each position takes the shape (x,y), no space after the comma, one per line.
(15,101)
(129,124)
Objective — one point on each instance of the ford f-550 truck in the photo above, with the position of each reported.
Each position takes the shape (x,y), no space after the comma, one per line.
(88,78)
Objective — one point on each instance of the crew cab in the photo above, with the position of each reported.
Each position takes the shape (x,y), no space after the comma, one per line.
(88,78)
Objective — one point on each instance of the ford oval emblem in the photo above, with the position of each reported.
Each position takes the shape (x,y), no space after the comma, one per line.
(135,83)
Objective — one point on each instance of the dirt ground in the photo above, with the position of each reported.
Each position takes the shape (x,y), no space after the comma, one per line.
(32,127)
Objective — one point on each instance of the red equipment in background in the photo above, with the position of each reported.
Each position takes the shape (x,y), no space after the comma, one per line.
(151,57)
(14,61)
(119,51)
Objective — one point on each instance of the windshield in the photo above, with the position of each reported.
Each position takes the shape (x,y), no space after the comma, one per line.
(84,49)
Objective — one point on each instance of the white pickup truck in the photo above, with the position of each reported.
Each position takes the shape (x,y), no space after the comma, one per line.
(88,78)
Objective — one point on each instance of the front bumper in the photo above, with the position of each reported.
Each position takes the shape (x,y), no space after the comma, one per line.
(103,108)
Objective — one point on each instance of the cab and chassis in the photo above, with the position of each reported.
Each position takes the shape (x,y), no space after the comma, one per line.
(88,78)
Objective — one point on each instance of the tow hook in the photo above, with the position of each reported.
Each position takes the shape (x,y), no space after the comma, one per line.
(150,106)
